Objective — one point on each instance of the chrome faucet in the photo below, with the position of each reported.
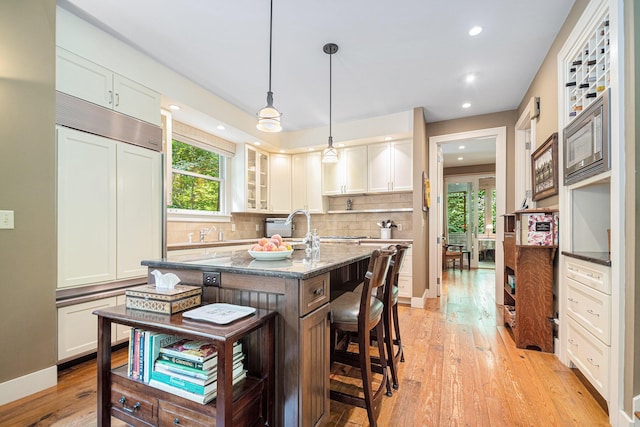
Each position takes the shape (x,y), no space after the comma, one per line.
(310,239)
(204,232)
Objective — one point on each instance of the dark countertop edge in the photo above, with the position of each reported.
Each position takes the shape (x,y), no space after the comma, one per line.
(80,294)
(222,243)
(164,263)
(601,258)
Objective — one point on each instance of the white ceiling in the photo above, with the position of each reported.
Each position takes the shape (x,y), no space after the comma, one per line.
(393,56)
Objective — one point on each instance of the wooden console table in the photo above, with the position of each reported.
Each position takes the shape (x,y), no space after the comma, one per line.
(250,402)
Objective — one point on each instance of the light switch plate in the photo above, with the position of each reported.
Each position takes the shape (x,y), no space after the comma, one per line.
(6,220)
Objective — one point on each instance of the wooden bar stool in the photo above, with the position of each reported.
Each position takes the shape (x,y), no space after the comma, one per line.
(361,314)
(392,337)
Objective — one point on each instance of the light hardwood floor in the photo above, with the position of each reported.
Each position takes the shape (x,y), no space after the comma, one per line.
(461,369)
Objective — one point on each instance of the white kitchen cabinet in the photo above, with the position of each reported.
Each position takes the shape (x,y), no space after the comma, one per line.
(280,183)
(250,180)
(390,167)
(139,209)
(405,278)
(588,303)
(78,327)
(87,80)
(348,175)
(306,178)
(109,208)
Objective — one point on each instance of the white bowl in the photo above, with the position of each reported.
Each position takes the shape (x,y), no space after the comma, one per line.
(270,255)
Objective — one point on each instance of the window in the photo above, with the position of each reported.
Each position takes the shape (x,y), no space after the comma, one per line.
(197,179)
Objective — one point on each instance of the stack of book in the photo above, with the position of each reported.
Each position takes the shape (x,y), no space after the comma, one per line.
(144,348)
(189,369)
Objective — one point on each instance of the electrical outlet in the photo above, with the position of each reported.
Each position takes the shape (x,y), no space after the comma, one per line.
(257,227)
(399,226)
(233,227)
(6,220)
(211,278)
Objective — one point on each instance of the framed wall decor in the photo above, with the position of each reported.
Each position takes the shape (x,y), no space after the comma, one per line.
(426,193)
(544,169)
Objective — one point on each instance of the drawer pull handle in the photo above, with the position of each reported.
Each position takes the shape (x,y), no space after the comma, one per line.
(176,421)
(572,342)
(590,360)
(572,300)
(593,313)
(319,291)
(131,410)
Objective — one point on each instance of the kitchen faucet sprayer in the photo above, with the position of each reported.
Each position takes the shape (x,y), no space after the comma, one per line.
(311,240)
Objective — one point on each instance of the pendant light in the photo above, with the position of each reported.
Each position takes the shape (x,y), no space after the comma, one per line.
(269,117)
(330,155)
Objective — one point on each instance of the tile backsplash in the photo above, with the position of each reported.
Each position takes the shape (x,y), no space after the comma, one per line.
(337,223)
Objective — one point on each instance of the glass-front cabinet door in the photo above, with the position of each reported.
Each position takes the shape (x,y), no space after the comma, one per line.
(257,179)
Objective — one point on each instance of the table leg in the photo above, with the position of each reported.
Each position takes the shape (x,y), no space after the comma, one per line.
(104,372)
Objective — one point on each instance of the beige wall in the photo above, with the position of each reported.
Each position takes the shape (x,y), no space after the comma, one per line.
(27,165)
(420,267)
(632,128)
(485,121)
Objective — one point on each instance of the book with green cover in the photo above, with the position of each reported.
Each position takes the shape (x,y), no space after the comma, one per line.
(189,386)
(168,354)
(196,351)
(153,342)
(200,398)
(194,375)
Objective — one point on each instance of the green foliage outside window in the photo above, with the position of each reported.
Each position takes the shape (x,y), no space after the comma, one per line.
(196,178)
(457,211)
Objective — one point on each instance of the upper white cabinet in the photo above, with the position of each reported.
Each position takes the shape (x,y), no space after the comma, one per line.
(390,166)
(87,80)
(250,168)
(280,183)
(109,208)
(349,175)
(306,177)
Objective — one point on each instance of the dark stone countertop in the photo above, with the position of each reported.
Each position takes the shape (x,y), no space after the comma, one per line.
(602,258)
(297,266)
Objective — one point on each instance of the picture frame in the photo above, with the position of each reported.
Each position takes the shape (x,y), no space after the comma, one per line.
(426,192)
(544,169)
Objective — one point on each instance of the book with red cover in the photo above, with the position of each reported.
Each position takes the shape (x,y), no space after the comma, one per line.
(198,351)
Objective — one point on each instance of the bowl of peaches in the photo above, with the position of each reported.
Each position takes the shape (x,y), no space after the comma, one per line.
(270,249)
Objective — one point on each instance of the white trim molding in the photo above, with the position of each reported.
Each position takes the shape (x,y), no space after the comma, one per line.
(26,385)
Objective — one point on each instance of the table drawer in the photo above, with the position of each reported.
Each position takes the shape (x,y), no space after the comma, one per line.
(314,292)
(593,275)
(590,308)
(590,355)
(129,404)
(170,414)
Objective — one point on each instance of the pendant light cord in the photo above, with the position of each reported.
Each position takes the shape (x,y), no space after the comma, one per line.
(330,91)
(270,41)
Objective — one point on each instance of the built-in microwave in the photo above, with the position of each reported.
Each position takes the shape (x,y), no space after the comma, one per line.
(586,142)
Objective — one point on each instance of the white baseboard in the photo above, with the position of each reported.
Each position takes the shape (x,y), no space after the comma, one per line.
(419,302)
(624,420)
(34,382)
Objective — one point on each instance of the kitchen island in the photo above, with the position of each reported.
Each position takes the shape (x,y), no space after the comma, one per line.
(299,289)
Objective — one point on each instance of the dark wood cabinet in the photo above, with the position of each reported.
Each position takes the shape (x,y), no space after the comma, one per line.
(249,402)
(530,244)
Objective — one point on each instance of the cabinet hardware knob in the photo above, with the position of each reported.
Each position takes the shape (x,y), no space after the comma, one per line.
(176,421)
(131,410)
(319,291)
(117,99)
(590,360)
(572,300)
(593,313)
(110,97)
(573,342)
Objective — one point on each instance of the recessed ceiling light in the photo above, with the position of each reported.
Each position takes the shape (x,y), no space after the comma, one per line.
(311,149)
(174,107)
(470,78)
(282,151)
(466,105)
(475,31)
(461,147)
(220,127)
(460,158)
(340,145)
(256,143)
(388,138)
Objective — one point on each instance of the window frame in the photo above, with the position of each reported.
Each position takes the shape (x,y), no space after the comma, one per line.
(175,214)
